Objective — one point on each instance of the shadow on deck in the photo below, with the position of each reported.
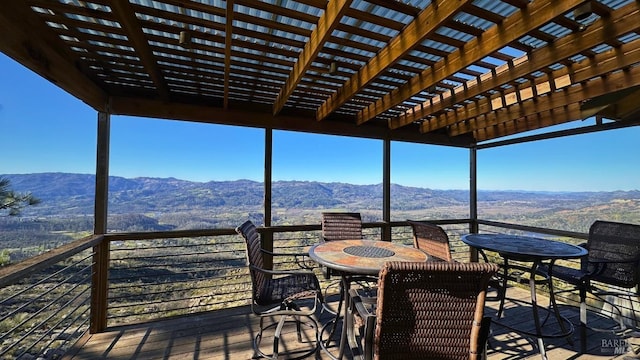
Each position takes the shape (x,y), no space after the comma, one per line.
(228,334)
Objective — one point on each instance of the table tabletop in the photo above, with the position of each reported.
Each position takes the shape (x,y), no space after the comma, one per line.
(364,257)
(518,246)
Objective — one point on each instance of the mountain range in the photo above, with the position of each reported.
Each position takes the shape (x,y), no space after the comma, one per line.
(73,194)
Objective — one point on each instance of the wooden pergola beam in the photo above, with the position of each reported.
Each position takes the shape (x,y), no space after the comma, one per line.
(600,65)
(531,122)
(619,23)
(319,36)
(515,26)
(569,98)
(259,119)
(425,24)
(125,14)
(623,108)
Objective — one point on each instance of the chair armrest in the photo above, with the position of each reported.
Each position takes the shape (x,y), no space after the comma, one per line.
(362,310)
(282,272)
(622,273)
(359,316)
(301,259)
(359,305)
(283,254)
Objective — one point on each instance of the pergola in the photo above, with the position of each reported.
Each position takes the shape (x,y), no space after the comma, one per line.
(450,72)
(463,73)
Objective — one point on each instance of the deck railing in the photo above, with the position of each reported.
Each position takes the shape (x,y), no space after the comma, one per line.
(46,305)
(158,275)
(45,302)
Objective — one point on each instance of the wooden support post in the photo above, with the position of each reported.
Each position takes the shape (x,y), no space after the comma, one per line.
(473,198)
(100,283)
(386,189)
(267,236)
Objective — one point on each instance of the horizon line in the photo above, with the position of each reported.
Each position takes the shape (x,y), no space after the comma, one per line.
(321,182)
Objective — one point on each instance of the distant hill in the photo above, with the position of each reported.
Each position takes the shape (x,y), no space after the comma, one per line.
(73,194)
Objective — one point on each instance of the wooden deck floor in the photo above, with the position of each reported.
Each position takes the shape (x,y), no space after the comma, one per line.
(228,334)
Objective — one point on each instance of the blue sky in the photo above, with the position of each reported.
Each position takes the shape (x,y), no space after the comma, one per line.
(43,129)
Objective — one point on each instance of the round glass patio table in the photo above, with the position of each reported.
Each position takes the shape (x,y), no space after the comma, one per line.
(538,252)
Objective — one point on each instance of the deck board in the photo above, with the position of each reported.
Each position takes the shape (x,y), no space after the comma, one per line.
(228,334)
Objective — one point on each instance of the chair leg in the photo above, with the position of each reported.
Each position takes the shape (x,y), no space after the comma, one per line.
(503,295)
(301,320)
(351,336)
(621,328)
(276,337)
(257,354)
(483,337)
(583,320)
(633,312)
(326,272)
(299,328)
(337,313)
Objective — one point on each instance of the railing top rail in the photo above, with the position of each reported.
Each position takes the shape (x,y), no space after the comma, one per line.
(540,230)
(18,271)
(150,235)
(273,229)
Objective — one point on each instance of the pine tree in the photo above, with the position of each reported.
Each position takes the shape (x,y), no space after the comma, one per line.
(12,201)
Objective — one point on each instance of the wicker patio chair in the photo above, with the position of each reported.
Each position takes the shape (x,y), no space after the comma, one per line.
(431,310)
(431,239)
(295,294)
(344,226)
(340,226)
(609,271)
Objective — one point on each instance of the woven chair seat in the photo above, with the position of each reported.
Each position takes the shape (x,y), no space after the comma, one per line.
(570,275)
(288,287)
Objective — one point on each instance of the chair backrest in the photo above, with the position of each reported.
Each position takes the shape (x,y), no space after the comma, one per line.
(618,243)
(341,226)
(254,257)
(431,239)
(430,310)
